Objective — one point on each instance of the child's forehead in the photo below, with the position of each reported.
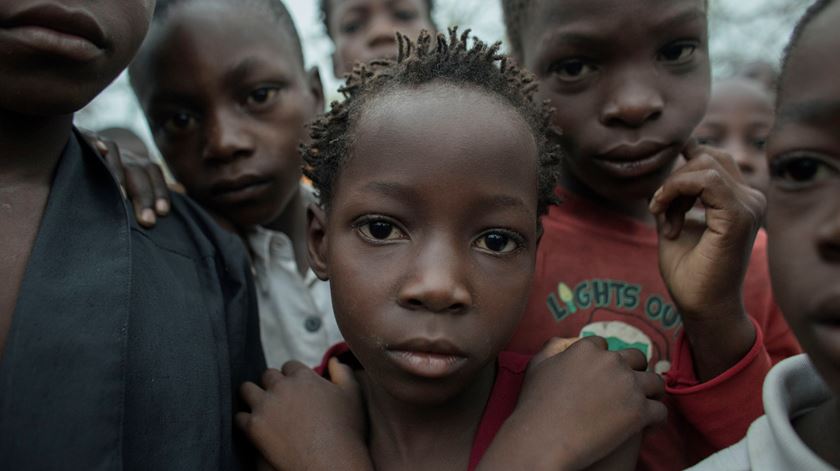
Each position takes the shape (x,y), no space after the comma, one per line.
(223,30)
(611,16)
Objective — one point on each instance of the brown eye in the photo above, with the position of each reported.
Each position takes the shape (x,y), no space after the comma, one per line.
(262,96)
(380,230)
(677,53)
(796,172)
(179,122)
(498,242)
(572,70)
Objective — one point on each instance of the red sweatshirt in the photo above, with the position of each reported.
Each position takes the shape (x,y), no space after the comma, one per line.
(598,274)
(510,373)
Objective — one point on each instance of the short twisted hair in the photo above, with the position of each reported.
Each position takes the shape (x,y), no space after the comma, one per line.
(443,58)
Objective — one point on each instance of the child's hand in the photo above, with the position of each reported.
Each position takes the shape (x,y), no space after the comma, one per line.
(578,407)
(704,263)
(303,421)
(141,179)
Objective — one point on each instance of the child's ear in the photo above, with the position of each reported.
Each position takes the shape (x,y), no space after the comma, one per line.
(316,241)
(335,60)
(316,87)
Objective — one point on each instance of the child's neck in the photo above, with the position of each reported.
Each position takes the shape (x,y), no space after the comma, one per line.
(292,222)
(30,146)
(820,430)
(440,437)
(636,209)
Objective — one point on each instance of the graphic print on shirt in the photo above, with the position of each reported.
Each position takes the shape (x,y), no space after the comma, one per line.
(623,314)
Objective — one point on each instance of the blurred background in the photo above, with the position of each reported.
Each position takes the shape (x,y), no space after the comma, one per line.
(740,32)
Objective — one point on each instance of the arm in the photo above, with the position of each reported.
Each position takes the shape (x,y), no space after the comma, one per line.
(583,407)
(704,263)
(303,421)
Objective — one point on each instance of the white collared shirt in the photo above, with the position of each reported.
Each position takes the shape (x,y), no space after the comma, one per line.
(296,315)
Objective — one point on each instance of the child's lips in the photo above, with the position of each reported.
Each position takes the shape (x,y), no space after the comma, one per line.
(636,160)
(55,30)
(240,189)
(427,358)
(426,364)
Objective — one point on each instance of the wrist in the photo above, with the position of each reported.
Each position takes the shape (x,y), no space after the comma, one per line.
(719,339)
(515,448)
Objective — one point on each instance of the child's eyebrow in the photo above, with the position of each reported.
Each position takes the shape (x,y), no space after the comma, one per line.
(813,112)
(244,69)
(580,36)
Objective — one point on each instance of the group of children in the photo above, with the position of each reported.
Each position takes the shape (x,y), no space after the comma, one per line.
(500,255)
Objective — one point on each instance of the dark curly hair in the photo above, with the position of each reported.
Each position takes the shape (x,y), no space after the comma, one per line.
(275,8)
(448,59)
(813,11)
(326,9)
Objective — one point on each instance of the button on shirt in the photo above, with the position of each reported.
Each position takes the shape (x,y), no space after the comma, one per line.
(296,316)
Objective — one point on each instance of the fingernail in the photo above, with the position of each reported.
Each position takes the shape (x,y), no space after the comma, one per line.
(148,216)
(162,206)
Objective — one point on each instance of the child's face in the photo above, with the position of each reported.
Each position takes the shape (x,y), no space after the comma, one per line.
(738,120)
(803,221)
(363,30)
(227,100)
(57,55)
(430,238)
(629,80)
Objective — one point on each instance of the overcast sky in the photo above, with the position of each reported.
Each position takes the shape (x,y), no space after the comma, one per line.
(739,30)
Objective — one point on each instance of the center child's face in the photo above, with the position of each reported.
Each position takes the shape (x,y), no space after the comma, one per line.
(803,220)
(630,81)
(431,238)
(57,55)
(363,30)
(227,100)
(738,121)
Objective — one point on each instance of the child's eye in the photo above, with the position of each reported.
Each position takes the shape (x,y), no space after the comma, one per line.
(799,171)
(380,230)
(498,242)
(572,70)
(708,141)
(677,53)
(262,96)
(351,26)
(759,143)
(179,123)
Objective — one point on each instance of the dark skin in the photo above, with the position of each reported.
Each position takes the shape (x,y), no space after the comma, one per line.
(738,121)
(47,76)
(632,79)
(804,210)
(429,244)
(363,30)
(227,100)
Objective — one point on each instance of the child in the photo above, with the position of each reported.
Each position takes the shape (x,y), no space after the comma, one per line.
(432,174)
(224,88)
(631,79)
(121,348)
(737,121)
(363,30)
(801,428)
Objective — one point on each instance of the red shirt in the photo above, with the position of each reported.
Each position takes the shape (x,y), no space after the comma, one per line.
(510,373)
(598,274)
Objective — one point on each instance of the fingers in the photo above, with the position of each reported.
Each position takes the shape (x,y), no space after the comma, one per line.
(693,152)
(292,367)
(599,342)
(342,375)
(139,186)
(270,377)
(242,421)
(655,412)
(160,190)
(651,383)
(251,393)
(634,358)
(553,346)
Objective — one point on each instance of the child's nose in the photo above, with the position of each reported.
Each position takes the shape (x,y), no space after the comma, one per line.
(382,32)
(436,283)
(632,105)
(227,138)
